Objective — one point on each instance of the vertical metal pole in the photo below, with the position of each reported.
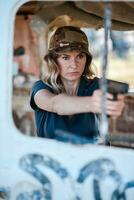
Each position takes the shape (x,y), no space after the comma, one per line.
(107,29)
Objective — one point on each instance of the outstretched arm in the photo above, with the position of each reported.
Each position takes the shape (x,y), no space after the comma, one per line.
(64,104)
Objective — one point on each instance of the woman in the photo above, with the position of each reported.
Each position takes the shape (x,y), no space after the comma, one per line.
(67,99)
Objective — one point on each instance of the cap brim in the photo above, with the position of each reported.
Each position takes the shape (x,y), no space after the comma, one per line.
(67,49)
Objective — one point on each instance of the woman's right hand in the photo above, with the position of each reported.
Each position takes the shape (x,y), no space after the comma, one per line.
(113,108)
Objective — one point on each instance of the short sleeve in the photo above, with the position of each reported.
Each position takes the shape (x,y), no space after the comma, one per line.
(38,85)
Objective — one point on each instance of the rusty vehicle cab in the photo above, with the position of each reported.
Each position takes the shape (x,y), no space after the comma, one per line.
(36,168)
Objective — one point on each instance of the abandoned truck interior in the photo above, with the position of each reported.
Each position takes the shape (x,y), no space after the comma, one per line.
(36,168)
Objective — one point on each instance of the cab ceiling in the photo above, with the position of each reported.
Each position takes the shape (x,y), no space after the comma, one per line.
(80,13)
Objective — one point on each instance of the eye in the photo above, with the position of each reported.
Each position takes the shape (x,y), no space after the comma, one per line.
(81,56)
(65,57)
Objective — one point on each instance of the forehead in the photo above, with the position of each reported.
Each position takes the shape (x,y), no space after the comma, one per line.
(70,53)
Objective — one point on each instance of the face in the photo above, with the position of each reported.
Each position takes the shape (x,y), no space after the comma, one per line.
(71,65)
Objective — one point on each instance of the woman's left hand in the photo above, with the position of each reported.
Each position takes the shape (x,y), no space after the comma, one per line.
(115,108)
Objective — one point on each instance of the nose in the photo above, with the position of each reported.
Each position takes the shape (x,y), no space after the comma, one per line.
(73,63)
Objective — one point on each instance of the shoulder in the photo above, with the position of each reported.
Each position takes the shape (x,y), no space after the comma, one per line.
(87,86)
(91,85)
(39,85)
(93,82)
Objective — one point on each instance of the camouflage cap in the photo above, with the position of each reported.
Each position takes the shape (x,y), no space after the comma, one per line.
(69,38)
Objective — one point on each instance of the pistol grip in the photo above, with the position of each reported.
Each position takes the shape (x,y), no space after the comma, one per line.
(114,96)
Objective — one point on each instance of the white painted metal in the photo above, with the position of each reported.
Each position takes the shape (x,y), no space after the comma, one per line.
(109,169)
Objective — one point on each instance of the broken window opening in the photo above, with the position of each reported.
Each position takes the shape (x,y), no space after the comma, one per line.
(22,74)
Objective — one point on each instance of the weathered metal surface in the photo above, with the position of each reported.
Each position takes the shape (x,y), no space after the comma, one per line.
(82,13)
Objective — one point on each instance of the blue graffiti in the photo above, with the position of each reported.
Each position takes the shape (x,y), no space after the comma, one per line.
(29,164)
(5,193)
(30,161)
(36,195)
(100,169)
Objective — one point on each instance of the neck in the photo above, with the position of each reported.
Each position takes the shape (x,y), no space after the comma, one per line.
(71,87)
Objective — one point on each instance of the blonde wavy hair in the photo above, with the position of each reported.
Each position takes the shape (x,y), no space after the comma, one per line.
(51,73)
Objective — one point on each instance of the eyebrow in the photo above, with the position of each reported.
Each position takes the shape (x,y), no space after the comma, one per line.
(63,55)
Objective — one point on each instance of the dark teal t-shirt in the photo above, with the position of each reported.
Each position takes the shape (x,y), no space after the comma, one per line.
(48,124)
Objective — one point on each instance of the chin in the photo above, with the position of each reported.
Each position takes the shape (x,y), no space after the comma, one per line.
(72,78)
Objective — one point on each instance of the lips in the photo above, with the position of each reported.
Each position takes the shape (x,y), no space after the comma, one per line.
(72,73)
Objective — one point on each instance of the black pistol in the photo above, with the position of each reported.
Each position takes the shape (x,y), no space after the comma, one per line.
(116,87)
